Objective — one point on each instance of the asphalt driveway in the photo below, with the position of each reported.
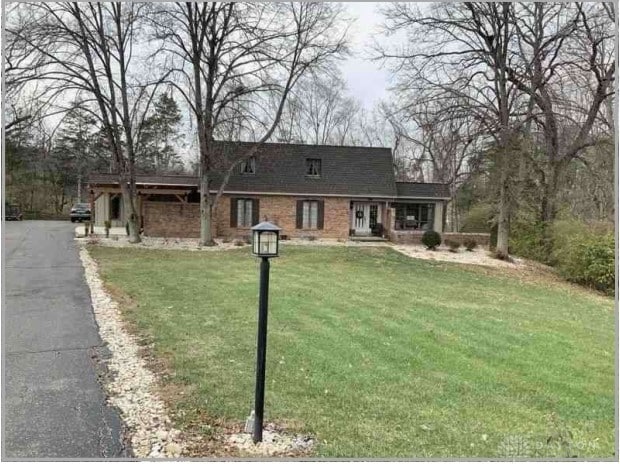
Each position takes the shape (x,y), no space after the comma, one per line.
(53,403)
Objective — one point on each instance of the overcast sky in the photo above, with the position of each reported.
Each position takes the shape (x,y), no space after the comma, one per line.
(365,78)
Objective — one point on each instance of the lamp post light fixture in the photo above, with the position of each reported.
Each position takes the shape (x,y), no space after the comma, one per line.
(265,238)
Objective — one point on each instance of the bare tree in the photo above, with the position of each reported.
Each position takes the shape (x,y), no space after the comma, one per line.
(444,145)
(461,56)
(318,111)
(22,105)
(566,66)
(88,50)
(228,59)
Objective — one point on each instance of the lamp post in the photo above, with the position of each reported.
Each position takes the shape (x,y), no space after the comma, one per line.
(265,238)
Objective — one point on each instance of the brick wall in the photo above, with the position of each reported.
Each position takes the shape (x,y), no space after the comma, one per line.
(415,237)
(174,219)
(281,210)
(163,219)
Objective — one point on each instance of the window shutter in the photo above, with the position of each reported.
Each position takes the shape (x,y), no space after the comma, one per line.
(233,212)
(255,212)
(300,214)
(320,214)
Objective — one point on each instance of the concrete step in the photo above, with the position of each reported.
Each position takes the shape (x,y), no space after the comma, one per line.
(367,239)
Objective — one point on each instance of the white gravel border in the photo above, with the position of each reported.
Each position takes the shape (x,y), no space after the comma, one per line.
(479,256)
(133,386)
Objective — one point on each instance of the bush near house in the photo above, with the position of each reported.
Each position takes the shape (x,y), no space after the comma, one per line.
(431,239)
(453,245)
(470,244)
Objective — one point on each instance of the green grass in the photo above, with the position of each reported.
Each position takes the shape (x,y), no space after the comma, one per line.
(378,354)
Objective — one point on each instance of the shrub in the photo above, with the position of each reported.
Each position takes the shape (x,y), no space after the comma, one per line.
(311,238)
(478,219)
(431,239)
(470,244)
(107,224)
(238,242)
(454,245)
(585,254)
(226,240)
(526,238)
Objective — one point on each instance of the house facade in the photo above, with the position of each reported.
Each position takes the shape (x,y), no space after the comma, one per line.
(307,190)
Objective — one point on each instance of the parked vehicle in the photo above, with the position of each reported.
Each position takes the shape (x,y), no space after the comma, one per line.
(12,213)
(80,212)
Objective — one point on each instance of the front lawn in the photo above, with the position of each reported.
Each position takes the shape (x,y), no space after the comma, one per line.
(377,354)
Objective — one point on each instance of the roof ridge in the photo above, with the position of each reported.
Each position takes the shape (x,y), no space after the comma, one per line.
(306,144)
(425,183)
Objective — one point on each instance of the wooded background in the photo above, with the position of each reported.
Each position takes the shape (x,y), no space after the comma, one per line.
(510,104)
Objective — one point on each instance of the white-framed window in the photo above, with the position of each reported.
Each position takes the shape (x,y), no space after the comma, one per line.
(248,166)
(313,167)
(310,214)
(244,212)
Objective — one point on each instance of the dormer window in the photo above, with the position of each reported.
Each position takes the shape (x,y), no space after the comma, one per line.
(248,166)
(313,167)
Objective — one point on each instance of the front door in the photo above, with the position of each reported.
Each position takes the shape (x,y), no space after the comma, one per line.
(364,217)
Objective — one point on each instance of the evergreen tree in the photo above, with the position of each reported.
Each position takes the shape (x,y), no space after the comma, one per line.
(72,158)
(158,138)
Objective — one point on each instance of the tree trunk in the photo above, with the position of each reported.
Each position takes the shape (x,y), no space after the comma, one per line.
(131,218)
(206,213)
(79,188)
(503,220)
(548,211)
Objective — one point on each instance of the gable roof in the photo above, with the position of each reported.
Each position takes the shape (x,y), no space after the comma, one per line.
(422,190)
(281,169)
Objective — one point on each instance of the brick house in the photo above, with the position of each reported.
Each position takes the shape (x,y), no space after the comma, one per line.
(308,190)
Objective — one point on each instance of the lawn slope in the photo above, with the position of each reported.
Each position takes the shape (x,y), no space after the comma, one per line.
(378,354)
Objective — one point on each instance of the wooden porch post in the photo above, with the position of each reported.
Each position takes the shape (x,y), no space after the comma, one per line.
(92,211)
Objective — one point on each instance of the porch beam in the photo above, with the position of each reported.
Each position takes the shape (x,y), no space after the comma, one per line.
(146,191)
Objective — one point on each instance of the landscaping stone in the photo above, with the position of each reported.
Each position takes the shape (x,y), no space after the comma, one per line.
(275,442)
(477,256)
(132,386)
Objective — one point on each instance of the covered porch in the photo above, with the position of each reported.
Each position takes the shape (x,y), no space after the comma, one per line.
(107,201)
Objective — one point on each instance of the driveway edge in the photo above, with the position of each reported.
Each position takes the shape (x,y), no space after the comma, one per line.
(131,386)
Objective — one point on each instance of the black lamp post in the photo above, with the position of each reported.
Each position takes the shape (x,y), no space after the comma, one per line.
(265,237)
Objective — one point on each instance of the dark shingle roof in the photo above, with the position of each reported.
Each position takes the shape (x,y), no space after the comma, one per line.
(422,190)
(281,168)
